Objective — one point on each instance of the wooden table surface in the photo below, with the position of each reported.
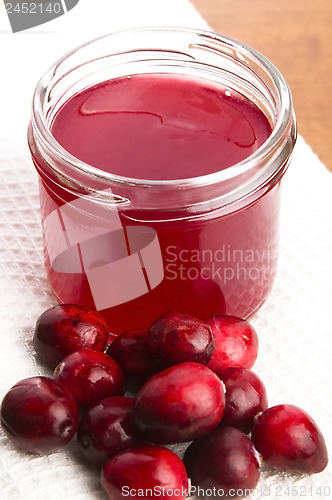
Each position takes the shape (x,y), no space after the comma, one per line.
(296,35)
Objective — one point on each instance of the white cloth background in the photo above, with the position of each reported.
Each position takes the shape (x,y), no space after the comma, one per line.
(294,325)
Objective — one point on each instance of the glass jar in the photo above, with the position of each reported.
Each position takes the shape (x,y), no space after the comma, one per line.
(134,248)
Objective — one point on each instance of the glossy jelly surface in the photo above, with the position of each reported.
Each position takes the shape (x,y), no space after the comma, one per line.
(160,127)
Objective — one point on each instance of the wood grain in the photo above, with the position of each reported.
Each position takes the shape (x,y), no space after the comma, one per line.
(296,35)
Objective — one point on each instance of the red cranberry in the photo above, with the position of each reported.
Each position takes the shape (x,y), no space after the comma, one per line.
(90,376)
(39,415)
(145,472)
(106,429)
(245,397)
(289,439)
(176,338)
(236,343)
(225,459)
(130,350)
(179,404)
(63,329)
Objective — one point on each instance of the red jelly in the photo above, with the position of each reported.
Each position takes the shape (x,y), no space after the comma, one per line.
(159,153)
(160,126)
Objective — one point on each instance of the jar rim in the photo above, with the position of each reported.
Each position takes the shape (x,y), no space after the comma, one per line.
(284,123)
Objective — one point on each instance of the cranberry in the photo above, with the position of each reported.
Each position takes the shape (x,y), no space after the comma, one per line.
(90,376)
(288,438)
(225,459)
(176,338)
(236,343)
(245,397)
(145,472)
(130,350)
(179,404)
(106,429)
(39,415)
(63,329)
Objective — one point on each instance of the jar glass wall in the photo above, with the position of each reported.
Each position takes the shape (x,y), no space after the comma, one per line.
(133,248)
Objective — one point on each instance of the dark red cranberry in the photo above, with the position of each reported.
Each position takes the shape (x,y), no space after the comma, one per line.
(176,338)
(226,460)
(236,343)
(106,429)
(179,404)
(39,415)
(145,472)
(90,376)
(130,350)
(245,397)
(289,439)
(63,329)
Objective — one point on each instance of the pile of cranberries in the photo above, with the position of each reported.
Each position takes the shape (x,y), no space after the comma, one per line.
(193,383)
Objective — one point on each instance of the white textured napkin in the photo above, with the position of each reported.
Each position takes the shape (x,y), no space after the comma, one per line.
(294,325)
